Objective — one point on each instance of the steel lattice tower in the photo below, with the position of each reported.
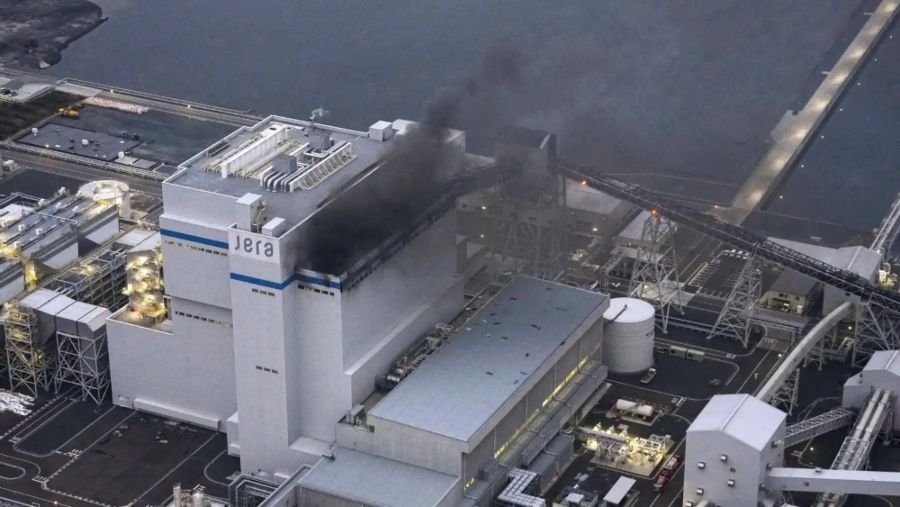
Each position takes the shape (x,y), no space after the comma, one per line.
(734,319)
(30,366)
(786,395)
(528,227)
(875,329)
(654,276)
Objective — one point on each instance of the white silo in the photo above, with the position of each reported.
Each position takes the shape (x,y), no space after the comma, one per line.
(628,335)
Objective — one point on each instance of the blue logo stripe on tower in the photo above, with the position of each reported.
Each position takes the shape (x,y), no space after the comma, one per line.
(169,233)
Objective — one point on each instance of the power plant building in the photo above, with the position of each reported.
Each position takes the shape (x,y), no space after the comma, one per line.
(491,399)
(282,309)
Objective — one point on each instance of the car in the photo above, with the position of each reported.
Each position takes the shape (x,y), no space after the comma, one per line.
(648,377)
(714,382)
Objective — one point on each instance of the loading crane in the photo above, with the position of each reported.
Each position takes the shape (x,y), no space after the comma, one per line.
(735,236)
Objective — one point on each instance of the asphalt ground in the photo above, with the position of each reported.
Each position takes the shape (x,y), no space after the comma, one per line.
(69,139)
(76,454)
(165,137)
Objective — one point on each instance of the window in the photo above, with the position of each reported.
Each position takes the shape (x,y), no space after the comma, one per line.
(315,290)
(196,248)
(202,319)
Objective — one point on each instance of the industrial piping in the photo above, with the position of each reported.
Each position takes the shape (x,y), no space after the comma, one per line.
(801,350)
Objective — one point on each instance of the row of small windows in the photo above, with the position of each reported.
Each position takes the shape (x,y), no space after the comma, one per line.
(196,248)
(263,292)
(202,319)
(313,289)
(266,369)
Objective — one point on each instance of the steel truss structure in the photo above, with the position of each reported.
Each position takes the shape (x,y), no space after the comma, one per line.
(29,365)
(808,429)
(875,329)
(654,275)
(83,362)
(737,237)
(528,230)
(735,318)
(99,281)
(786,395)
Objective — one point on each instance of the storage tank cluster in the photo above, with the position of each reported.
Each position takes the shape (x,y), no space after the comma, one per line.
(633,407)
(629,329)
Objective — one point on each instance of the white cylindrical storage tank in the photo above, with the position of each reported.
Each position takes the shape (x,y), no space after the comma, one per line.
(628,335)
(644,410)
(625,405)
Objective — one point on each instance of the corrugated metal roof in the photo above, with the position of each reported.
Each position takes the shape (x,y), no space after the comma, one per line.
(377,481)
(858,259)
(587,199)
(793,282)
(617,493)
(884,360)
(460,387)
(741,416)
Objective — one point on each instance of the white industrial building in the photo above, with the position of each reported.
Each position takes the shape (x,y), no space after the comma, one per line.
(856,259)
(730,447)
(492,399)
(266,340)
(735,448)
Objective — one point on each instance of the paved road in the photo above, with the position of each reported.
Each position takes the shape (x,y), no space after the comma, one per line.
(81,172)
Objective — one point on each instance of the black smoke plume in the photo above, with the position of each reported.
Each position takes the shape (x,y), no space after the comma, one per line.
(416,172)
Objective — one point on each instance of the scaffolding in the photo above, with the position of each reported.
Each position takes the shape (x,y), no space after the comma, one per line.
(97,281)
(84,363)
(654,276)
(734,320)
(29,364)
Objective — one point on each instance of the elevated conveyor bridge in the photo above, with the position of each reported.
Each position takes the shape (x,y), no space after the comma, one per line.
(736,236)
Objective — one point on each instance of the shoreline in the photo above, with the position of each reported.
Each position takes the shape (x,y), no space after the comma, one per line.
(33,35)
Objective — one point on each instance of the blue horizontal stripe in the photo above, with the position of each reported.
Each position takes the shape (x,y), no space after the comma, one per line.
(263,283)
(281,285)
(195,239)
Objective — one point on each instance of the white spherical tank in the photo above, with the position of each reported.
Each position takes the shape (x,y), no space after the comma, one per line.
(628,335)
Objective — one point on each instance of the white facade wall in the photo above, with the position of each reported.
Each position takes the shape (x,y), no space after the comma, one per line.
(728,457)
(194,269)
(198,384)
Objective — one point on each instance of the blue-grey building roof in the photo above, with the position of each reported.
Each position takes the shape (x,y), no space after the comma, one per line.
(457,390)
(376,481)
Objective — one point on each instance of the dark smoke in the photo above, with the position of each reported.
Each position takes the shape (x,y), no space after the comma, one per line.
(416,172)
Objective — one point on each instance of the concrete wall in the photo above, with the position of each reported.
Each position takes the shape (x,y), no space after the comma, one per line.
(197,362)
(405,444)
(744,464)
(194,269)
(421,271)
